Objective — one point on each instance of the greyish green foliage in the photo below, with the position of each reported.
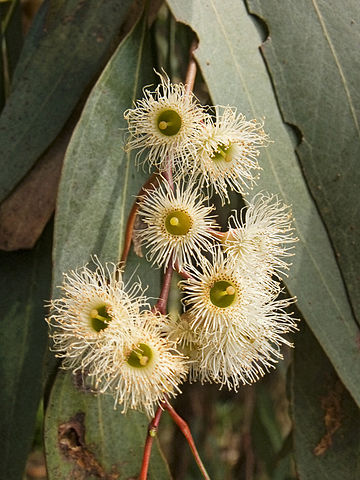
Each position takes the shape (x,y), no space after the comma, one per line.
(309,77)
(24,284)
(74,39)
(326,418)
(97,189)
(315,66)
(231,46)
(86,438)
(100,180)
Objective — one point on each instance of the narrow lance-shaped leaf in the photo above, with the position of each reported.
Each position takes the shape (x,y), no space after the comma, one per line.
(235,73)
(96,193)
(62,54)
(316,72)
(86,438)
(326,419)
(25,282)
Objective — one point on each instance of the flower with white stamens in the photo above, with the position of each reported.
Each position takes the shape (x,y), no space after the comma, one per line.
(168,124)
(85,321)
(261,240)
(177,224)
(146,369)
(218,295)
(227,158)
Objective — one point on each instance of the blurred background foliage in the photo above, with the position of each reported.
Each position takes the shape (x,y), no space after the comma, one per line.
(68,70)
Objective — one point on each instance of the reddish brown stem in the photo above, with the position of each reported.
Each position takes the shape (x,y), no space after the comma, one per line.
(184,427)
(218,235)
(164,294)
(182,272)
(152,431)
(191,71)
(153,180)
(168,173)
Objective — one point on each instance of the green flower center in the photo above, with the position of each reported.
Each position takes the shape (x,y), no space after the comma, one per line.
(223,294)
(222,153)
(99,318)
(140,356)
(169,122)
(178,222)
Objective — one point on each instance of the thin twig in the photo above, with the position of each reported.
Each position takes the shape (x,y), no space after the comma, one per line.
(184,427)
(192,67)
(182,272)
(218,235)
(164,294)
(152,431)
(132,217)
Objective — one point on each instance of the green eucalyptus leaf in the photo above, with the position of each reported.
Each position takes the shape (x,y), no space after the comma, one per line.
(25,282)
(97,190)
(13,36)
(65,49)
(326,419)
(235,73)
(100,181)
(316,77)
(86,438)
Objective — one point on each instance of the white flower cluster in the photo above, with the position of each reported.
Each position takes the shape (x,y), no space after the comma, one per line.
(169,127)
(233,322)
(106,329)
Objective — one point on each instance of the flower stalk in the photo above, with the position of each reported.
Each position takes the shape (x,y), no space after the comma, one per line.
(151,434)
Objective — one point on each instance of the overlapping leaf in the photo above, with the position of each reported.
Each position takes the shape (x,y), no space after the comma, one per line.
(64,51)
(24,284)
(96,193)
(86,438)
(235,74)
(326,419)
(316,73)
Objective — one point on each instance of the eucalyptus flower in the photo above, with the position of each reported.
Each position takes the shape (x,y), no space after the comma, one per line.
(167,123)
(147,368)
(177,223)
(260,237)
(247,350)
(217,294)
(85,322)
(227,158)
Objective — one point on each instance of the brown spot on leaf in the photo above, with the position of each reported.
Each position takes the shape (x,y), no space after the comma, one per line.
(71,438)
(331,404)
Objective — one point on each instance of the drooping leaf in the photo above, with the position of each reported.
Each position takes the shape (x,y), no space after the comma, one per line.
(97,190)
(13,36)
(99,180)
(86,438)
(326,418)
(316,77)
(25,282)
(67,45)
(236,75)
(26,211)
(2,69)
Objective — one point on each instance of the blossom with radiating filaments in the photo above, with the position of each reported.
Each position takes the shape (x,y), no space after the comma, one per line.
(228,155)
(177,224)
(261,240)
(166,124)
(85,322)
(146,369)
